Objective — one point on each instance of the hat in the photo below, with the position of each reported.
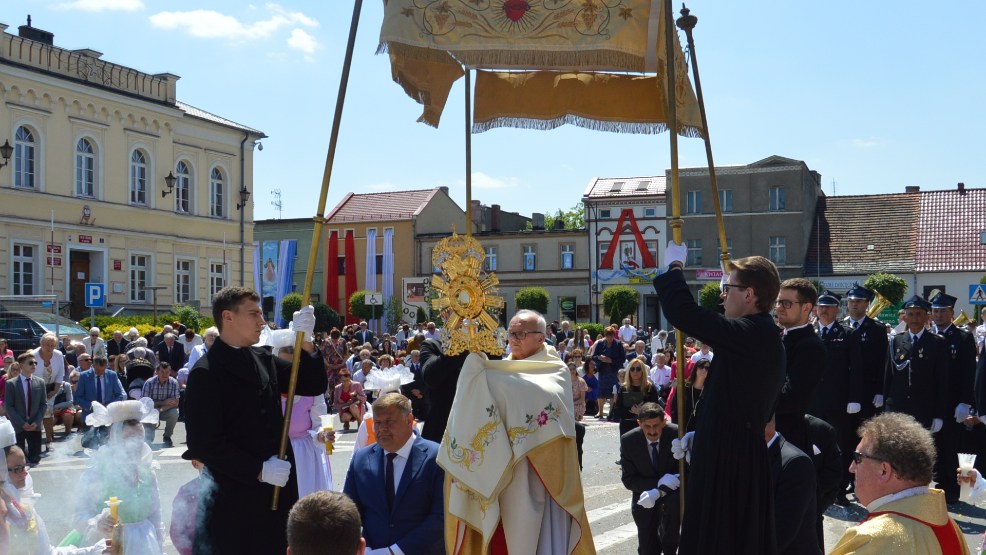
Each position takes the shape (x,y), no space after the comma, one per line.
(143,411)
(388,379)
(941,300)
(7,435)
(860,292)
(917,302)
(828,298)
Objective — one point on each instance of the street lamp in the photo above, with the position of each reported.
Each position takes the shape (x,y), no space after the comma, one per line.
(244,197)
(5,152)
(169,182)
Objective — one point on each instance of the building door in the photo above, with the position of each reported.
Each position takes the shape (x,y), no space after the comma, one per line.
(652,312)
(78,276)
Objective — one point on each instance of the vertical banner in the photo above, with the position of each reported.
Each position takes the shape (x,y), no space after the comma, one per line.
(257,270)
(269,270)
(387,287)
(351,285)
(332,273)
(285,276)
(371,271)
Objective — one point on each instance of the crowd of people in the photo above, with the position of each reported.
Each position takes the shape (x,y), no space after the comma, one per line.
(787,409)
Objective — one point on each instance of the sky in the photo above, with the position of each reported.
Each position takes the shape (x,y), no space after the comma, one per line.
(874,95)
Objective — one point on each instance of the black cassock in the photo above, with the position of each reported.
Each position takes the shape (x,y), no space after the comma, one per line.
(233,422)
(729,495)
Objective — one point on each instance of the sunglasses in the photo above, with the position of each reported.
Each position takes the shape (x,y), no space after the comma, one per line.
(17,469)
(858,457)
(32,363)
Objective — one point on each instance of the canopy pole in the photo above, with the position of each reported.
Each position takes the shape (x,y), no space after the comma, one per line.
(468,105)
(317,235)
(687,22)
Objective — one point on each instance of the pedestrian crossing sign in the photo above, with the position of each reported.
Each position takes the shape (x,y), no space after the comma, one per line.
(977,293)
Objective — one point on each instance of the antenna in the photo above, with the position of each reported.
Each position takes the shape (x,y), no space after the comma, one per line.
(833,187)
(276,203)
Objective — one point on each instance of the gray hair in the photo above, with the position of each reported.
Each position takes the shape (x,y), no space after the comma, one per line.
(213,331)
(141,341)
(904,443)
(94,329)
(532,314)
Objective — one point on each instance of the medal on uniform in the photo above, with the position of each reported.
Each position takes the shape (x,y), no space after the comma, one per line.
(921,352)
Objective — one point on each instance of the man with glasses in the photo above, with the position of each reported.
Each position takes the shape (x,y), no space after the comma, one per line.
(431,332)
(95,345)
(26,403)
(806,359)
(729,496)
(893,464)
(364,335)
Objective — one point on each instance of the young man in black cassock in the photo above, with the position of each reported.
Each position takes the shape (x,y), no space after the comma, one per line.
(234,420)
(729,505)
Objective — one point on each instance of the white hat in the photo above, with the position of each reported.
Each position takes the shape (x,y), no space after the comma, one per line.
(121,411)
(7,435)
(388,379)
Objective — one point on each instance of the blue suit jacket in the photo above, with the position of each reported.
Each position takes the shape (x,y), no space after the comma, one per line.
(416,522)
(85,392)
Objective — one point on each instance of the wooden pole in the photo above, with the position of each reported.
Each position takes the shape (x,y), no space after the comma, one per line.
(468,104)
(317,234)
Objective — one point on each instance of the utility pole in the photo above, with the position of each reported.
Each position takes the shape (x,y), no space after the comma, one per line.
(276,203)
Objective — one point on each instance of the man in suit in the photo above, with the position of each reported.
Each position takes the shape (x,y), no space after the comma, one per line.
(840,395)
(415,391)
(98,384)
(649,470)
(171,352)
(794,495)
(118,345)
(867,348)
(397,484)
(565,333)
(26,402)
(364,335)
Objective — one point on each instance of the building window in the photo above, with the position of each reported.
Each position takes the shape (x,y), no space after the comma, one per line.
(729,245)
(183,281)
(489,264)
(217,193)
(693,202)
(650,212)
(567,257)
(25,158)
(138,177)
(530,258)
(217,278)
(341,266)
(183,188)
(694,252)
(139,264)
(652,247)
(24,270)
(605,213)
(85,169)
(778,250)
(777,201)
(378,262)
(726,200)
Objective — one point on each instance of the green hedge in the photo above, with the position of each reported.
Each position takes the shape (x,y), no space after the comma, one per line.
(593,328)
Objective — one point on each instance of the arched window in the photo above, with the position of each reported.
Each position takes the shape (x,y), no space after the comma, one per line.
(138,177)
(183,187)
(217,193)
(85,169)
(25,158)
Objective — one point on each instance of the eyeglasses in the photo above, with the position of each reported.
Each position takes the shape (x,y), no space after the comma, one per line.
(522,335)
(727,286)
(858,457)
(32,363)
(635,369)
(75,382)
(17,469)
(786,303)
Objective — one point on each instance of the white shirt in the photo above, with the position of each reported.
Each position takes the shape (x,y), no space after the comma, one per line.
(657,344)
(197,352)
(789,330)
(699,355)
(26,385)
(628,334)
(431,335)
(189,345)
(400,461)
(57,366)
(909,492)
(660,376)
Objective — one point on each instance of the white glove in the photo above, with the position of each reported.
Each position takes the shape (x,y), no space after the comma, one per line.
(94,549)
(675,252)
(962,410)
(669,481)
(102,522)
(304,320)
(878,401)
(682,448)
(725,275)
(275,472)
(853,408)
(936,425)
(649,498)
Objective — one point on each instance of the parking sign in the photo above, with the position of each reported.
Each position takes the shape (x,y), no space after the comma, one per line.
(95,295)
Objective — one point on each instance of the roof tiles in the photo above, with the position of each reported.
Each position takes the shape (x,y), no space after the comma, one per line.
(950,223)
(381,207)
(603,187)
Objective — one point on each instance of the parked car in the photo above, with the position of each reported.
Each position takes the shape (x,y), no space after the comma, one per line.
(23,330)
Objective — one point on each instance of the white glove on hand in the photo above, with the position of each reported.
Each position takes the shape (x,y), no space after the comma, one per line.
(682,448)
(649,498)
(936,425)
(304,320)
(962,410)
(878,401)
(275,472)
(669,481)
(102,522)
(675,252)
(853,408)
(725,275)
(94,549)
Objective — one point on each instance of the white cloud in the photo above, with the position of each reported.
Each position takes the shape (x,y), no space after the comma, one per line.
(210,24)
(482,181)
(303,42)
(102,5)
(866,143)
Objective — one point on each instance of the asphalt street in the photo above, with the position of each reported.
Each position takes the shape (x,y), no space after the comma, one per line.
(607,502)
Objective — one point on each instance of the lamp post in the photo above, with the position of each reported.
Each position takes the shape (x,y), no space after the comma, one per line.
(244,197)
(6,151)
(169,184)
(154,289)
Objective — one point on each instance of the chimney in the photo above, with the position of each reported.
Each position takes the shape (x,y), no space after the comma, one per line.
(537,220)
(912,189)
(961,188)
(28,32)
(495,218)
(559,223)
(477,214)
(444,190)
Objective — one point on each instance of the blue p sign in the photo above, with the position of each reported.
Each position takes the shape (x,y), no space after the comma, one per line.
(95,295)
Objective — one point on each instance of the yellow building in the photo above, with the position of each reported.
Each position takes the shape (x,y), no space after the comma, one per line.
(113,180)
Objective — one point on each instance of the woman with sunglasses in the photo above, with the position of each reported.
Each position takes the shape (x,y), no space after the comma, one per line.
(349,399)
(694,386)
(636,390)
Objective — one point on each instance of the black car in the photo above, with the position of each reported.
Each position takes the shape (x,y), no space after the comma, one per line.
(23,330)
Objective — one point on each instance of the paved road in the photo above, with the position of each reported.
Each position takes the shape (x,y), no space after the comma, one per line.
(607,502)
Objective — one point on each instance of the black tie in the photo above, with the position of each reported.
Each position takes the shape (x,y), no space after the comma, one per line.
(914,339)
(389,480)
(653,458)
(855,325)
(825,332)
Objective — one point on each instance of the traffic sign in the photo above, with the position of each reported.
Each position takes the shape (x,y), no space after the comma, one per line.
(977,293)
(96,295)
(374,299)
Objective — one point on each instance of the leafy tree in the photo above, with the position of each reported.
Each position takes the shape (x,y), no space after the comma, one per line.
(982,279)
(573,218)
(620,301)
(422,316)
(188,315)
(890,286)
(395,313)
(326,317)
(533,298)
(290,304)
(361,310)
(592,328)
(709,295)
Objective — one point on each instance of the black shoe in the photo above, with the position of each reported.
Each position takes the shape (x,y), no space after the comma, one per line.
(168,442)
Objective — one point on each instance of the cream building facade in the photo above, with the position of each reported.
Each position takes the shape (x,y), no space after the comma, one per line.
(113,180)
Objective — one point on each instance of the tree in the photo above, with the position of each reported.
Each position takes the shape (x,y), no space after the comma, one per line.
(395,313)
(533,298)
(890,286)
(574,218)
(709,295)
(188,315)
(620,301)
(422,317)
(361,310)
(325,317)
